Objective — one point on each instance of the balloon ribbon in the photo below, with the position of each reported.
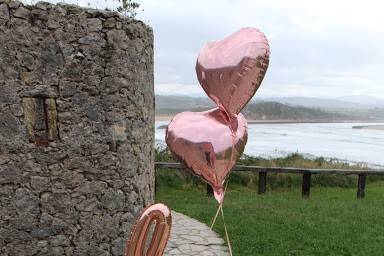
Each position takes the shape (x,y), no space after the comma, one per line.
(226,232)
(217,213)
(220,209)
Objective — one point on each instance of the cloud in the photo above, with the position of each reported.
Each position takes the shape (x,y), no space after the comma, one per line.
(318,48)
(327,48)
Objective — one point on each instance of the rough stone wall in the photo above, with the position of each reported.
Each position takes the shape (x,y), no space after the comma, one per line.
(76,129)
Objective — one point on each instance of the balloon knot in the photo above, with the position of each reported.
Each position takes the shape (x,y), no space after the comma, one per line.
(219,194)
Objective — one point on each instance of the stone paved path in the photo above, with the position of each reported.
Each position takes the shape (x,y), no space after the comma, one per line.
(190,237)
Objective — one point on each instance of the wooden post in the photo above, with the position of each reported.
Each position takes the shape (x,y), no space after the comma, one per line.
(209,190)
(262,182)
(361,186)
(306,187)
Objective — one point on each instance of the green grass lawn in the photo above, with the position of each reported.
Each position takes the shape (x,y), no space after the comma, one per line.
(331,222)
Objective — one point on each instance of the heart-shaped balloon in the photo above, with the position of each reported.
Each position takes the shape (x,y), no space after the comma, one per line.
(207,146)
(231,70)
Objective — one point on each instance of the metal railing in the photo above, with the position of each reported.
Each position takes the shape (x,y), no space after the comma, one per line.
(307,173)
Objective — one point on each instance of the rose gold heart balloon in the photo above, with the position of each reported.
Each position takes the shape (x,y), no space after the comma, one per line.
(231,70)
(160,216)
(206,144)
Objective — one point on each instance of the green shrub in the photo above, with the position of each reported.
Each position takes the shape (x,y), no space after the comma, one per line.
(185,178)
(170,178)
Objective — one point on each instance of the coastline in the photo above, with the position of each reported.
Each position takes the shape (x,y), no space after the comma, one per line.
(376,127)
(369,127)
(163,118)
(336,140)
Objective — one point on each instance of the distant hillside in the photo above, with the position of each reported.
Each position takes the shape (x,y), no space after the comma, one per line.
(348,102)
(271,110)
(180,102)
(279,111)
(311,102)
(343,103)
(174,111)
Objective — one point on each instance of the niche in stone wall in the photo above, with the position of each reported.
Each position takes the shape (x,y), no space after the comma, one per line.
(40,114)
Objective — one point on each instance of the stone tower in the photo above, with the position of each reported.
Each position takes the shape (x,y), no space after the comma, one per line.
(76,129)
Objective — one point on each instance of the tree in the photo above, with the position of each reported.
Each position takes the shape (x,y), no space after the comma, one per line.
(128,8)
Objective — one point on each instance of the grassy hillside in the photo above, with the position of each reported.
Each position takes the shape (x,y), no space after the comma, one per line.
(331,222)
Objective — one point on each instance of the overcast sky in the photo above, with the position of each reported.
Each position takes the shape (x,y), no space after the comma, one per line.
(327,48)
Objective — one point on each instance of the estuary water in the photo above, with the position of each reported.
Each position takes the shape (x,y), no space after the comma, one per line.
(328,140)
